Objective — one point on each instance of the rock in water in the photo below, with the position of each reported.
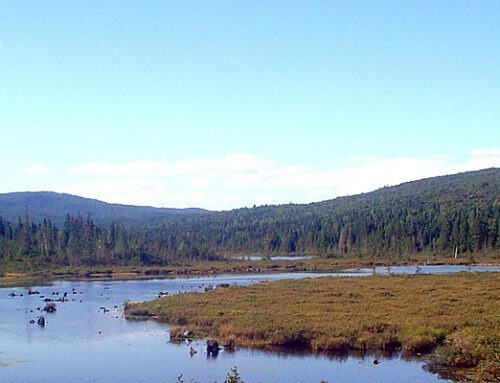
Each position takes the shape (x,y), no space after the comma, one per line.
(50,308)
(212,348)
(41,321)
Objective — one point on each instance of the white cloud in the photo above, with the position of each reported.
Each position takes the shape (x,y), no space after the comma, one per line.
(483,158)
(243,164)
(319,193)
(359,159)
(145,192)
(481,153)
(365,177)
(438,157)
(36,169)
(238,180)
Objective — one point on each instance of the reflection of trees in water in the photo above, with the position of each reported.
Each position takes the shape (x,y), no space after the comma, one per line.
(340,356)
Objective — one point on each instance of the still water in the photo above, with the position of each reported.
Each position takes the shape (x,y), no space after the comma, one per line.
(275,257)
(88,340)
(438,269)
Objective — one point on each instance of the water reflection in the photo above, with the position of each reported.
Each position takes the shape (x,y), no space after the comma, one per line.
(422,269)
(274,257)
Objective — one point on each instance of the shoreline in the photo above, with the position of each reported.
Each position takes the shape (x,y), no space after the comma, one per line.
(230,266)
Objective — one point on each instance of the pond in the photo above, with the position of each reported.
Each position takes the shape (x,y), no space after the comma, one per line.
(88,340)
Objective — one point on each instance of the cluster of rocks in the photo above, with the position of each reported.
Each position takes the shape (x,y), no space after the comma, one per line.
(50,305)
(212,346)
(41,321)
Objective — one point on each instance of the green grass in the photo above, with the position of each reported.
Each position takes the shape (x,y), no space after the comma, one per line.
(417,314)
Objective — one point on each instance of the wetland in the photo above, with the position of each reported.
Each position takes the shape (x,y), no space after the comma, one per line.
(89,339)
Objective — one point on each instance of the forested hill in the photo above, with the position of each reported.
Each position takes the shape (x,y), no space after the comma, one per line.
(55,207)
(437,215)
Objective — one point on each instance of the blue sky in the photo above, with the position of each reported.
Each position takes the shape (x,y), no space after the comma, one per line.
(224,104)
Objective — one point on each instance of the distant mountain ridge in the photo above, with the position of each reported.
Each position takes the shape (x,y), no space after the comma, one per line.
(55,206)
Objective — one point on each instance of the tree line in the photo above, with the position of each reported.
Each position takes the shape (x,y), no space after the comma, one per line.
(80,242)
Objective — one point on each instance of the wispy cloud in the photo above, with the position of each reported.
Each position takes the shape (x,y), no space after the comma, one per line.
(233,163)
(238,180)
(484,153)
(36,169)
(359,159)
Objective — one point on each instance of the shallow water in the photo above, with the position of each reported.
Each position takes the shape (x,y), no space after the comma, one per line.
(438,269)
(275,257)
(83,343)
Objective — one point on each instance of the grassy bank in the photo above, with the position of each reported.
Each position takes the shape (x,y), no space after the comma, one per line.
(459,314)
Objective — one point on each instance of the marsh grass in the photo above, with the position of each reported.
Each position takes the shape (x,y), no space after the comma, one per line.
(458,314)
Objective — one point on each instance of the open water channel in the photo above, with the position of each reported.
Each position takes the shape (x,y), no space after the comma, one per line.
(88,340)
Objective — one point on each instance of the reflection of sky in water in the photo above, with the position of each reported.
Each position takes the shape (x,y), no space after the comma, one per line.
(83,344)
(439,269)
(275,257)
